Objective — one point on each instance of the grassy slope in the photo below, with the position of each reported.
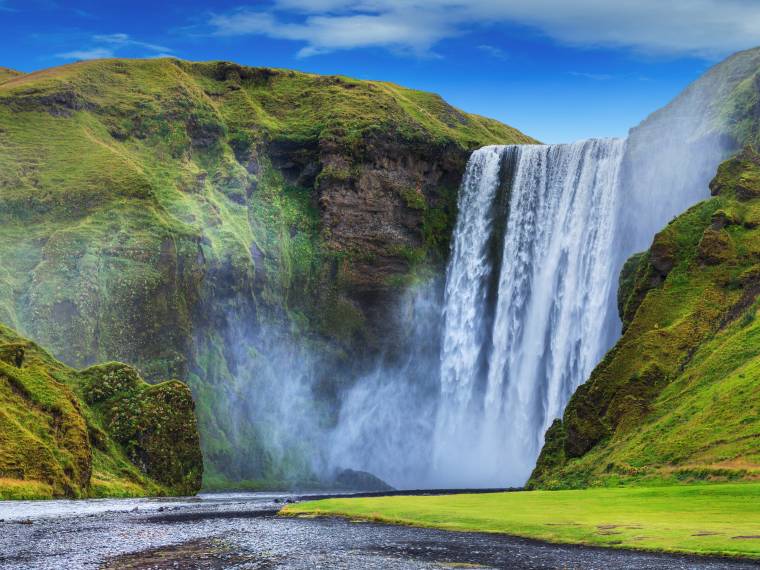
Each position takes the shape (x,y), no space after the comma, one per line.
(72,433)
(678,397)
(6,74)
(737,112)
(123,183)
(702,519)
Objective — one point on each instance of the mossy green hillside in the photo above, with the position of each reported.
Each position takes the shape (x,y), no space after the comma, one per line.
(150,207)
(738,112)
(721,107)
(701,519)
(6,74)
(99,432)
(678,397)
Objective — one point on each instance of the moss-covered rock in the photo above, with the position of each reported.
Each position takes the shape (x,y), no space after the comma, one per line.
(739,177)
(632,285)
(716,246)
(155,425)
(678,397)
(99,432)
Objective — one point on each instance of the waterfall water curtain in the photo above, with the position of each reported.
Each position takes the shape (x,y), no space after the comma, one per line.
(528,300)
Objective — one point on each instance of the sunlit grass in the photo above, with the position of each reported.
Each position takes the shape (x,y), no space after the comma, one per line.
(16,489)
(702,519)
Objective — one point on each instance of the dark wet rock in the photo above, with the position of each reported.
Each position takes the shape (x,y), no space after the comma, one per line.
(193,555)
(715,246)
(12,353)
(360,481)
(662,254)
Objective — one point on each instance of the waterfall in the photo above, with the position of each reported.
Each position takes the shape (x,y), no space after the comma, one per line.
(528,306)
(529,302)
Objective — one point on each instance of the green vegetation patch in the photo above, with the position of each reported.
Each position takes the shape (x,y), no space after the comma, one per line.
(698,519)
(101,432)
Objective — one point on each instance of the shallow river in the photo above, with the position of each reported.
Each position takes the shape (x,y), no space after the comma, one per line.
(241,530)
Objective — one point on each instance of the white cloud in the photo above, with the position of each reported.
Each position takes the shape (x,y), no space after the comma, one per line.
(324,33)
(94,53)
(493,51)
(703,28)
(594,76)
(122,40)
(107,45)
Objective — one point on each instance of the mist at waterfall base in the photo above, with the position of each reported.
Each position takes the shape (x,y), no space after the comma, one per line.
(286,429)
(497,346)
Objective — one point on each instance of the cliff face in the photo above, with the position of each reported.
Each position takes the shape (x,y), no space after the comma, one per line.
(92,433)
(678,397)
(166,213)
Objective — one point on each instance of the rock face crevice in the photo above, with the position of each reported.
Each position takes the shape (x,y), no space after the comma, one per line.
(376,210)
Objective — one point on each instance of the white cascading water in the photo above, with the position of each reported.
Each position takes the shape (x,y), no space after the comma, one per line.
(521,334)
(466,296)
(529,303)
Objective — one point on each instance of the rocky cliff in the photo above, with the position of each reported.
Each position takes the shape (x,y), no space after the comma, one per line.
(190,218)
(678,397)
(97,432)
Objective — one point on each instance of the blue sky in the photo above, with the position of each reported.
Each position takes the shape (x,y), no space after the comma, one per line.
(556,69)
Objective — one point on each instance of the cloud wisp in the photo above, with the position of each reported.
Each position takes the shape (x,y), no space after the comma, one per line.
(92,53)
(109,45)
(697,28)
(493,51)
(124,40)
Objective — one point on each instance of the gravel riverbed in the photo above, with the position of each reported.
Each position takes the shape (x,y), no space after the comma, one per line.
(242,530)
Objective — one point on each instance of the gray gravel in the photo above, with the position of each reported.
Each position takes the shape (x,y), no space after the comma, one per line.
(242,531)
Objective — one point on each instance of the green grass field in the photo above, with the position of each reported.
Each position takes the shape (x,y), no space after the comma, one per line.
(702,519)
